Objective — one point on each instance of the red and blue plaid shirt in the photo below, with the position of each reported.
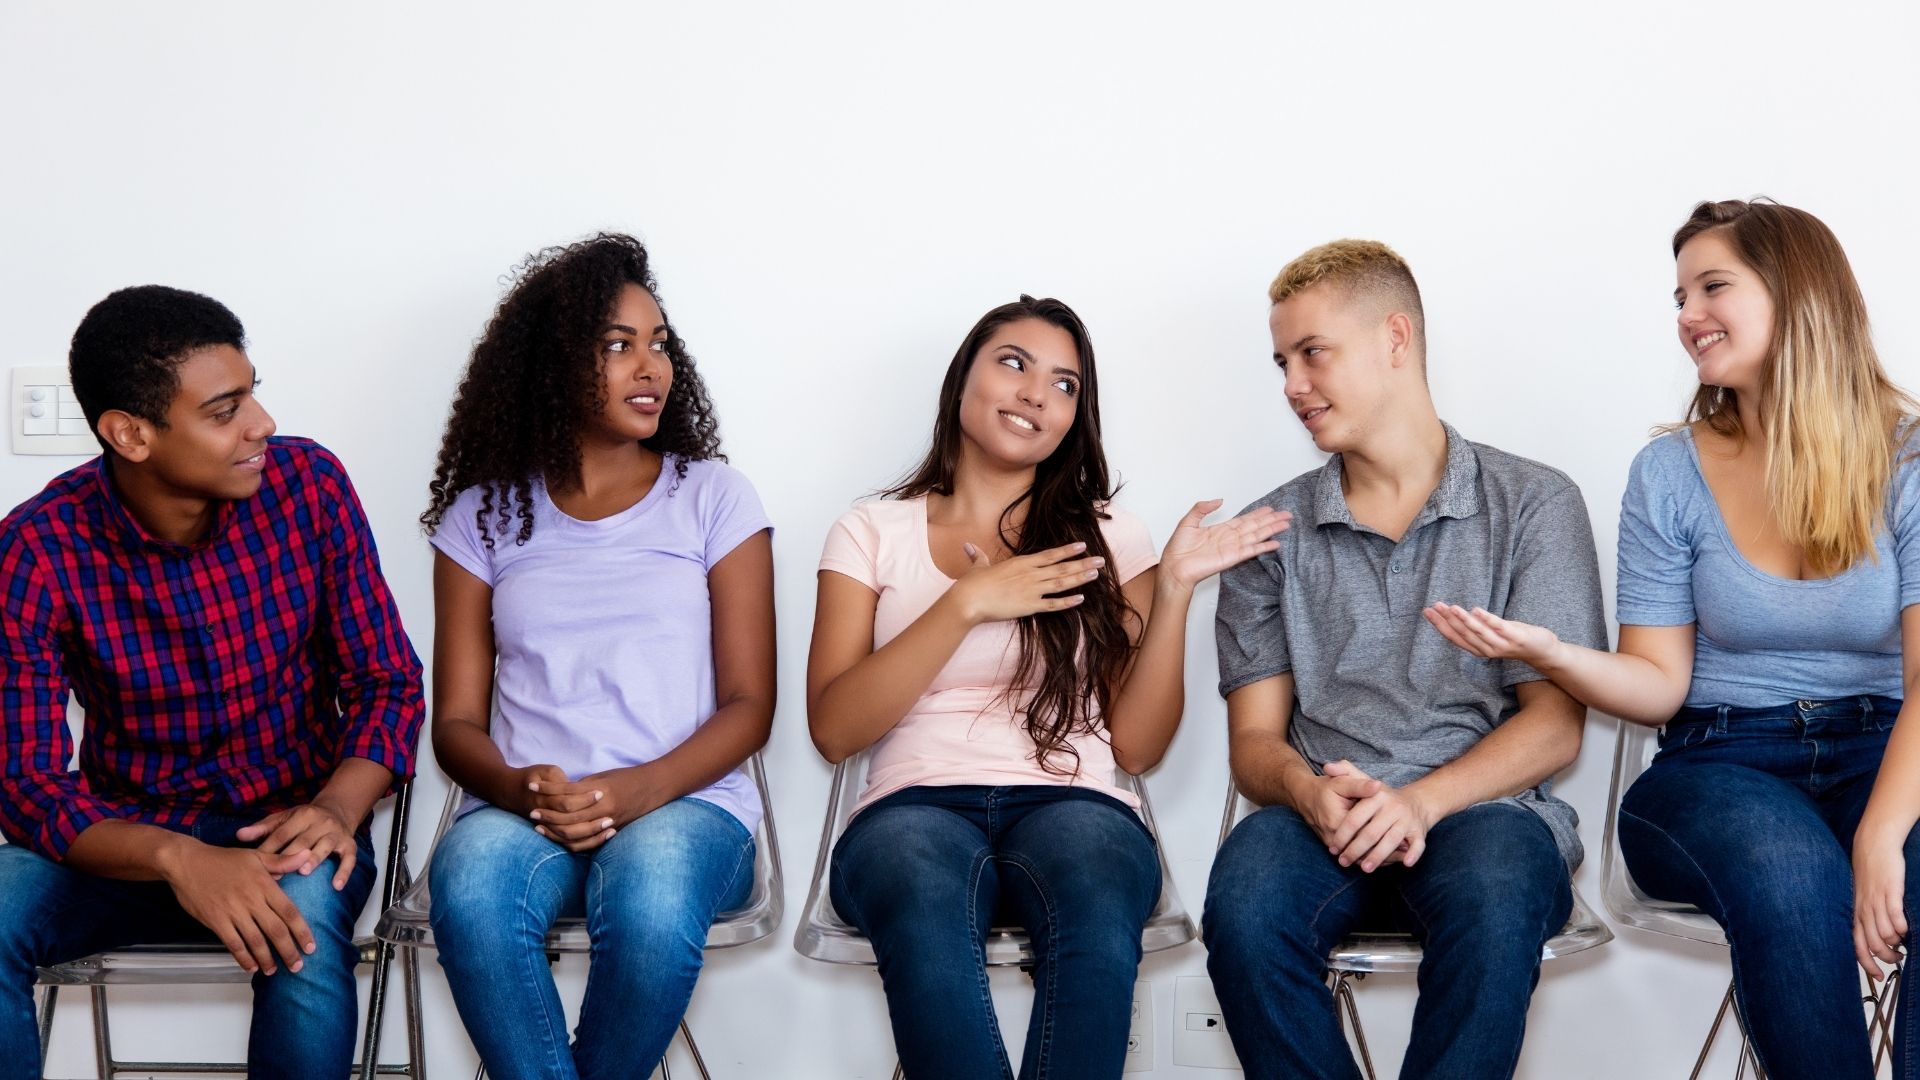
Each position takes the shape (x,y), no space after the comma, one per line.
(231,675)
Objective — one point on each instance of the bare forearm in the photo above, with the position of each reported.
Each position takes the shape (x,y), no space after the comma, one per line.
(864,702)
(1265,767)
(1529,747)
(125,850)
(1147,711)
(1621,684)
(716,748)
(1894,806)
(467,754)
(353,789)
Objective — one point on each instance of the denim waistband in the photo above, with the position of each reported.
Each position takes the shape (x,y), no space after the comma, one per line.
(1861,707)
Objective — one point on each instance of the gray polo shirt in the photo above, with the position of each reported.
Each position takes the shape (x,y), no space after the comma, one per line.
(1339,606)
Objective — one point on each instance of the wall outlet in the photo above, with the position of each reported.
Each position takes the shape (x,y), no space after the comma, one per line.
(1199,1031)
(1140,1029)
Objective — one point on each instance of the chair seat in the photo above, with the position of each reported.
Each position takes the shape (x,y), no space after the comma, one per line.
(1633,750)
(1400,953)
(196,963)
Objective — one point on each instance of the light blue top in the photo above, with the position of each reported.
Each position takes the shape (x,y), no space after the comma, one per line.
(1760,639)
(604,629)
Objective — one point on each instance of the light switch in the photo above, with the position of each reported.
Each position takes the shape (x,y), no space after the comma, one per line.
(45,416)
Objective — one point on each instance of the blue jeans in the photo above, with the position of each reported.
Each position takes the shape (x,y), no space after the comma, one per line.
(927,871)
(303,1022)
(648,896)
(1749,815)
(1487,894)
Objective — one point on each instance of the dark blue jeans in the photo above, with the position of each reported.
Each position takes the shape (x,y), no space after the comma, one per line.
(303,1022)
(1488,893)
(926,872)
(1749,814)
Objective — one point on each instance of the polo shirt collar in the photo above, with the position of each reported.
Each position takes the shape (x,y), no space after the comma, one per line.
(1456,496)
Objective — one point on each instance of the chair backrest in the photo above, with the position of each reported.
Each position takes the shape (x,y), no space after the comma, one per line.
(1633,750)
(405,922)
(823,935)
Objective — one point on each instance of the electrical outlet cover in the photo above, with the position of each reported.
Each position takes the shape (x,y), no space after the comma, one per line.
(1199,1032)
(1140,1029)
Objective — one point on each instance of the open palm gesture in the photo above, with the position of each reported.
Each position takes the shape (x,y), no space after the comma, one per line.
(1196,552)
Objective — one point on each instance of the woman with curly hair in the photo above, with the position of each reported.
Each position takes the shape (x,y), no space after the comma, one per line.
(603,666)
(1002,639)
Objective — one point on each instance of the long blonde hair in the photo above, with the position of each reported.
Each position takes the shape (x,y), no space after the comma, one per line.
(1829,413)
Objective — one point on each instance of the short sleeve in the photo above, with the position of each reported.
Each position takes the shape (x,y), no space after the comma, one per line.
(1250,623)
(1903,517)
(1130,544)
(1656,557)
(458,536)
(730,511)
(853,548)
(1556,578)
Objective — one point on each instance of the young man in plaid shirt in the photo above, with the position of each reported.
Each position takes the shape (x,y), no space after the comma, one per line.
(211,596)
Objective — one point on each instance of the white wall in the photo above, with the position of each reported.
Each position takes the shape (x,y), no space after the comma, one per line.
(835,192)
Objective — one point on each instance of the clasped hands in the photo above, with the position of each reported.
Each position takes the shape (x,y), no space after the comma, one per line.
(1363,821)
(583,814)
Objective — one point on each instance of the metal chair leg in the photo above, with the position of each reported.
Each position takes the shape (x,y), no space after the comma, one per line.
(416,1032)
(693,1048)
(1884,1003)
(899,1071)
(48,999)
(376,1011)
(1700,1063)
(102,1038)
(1343,998)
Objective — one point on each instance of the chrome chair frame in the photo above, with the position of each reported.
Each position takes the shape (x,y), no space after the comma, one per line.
(823,935)
(1633,750)
(405,924)
(1366,953)
(210,964)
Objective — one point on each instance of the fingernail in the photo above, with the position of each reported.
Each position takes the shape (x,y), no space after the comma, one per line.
(606,823)
(1099,561)
(970,550)
(295,968)
(533,785)
(535,815)
(597,795)
(311,948)
(1080,545)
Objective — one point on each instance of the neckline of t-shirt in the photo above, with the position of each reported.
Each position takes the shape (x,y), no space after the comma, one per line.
(654,494)
(925,530)
(1726,535)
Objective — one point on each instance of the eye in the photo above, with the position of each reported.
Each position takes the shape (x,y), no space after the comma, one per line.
(1714,286)
(659,346)
(1312,351)
(1281,364)
(1066,386)
(618,345)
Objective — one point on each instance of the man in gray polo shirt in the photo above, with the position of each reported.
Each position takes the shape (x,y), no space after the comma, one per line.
(1403,783)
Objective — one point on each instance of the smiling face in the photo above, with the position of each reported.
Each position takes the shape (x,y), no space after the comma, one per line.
(1726,314)
(1339,356)
(636,374)
(1022,393)
(214,442)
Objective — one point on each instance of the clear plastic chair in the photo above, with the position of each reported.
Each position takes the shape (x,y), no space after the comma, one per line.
(1364,953)
(210,963)
(1633,750)
(823,935)
(405,923)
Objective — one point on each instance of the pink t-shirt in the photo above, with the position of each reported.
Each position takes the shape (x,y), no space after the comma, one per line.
(963,729)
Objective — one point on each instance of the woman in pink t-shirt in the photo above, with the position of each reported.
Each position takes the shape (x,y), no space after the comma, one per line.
(1001,640)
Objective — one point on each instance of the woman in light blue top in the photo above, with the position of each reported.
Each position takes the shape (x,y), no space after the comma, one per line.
(603,665)
(1769,607)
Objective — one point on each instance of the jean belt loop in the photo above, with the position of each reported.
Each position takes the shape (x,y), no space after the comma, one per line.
(1720,720)
(1866,706)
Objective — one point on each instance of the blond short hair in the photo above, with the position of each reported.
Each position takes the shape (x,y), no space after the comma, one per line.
(1368,270)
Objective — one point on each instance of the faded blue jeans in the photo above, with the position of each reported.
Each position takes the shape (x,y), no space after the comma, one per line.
(1749,815)
(927,871)
(1487,894)
(648,896)
(303,1021)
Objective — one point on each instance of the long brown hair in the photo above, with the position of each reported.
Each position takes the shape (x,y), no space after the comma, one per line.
(1075,658)
(1830,414)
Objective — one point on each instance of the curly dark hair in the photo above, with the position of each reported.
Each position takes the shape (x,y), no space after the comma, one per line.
(1073,659)
(127,351)
(534,382)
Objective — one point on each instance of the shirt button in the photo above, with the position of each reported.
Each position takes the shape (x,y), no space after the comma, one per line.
(1395,569)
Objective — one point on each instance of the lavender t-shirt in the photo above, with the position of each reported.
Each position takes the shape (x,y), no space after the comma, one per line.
(604,629)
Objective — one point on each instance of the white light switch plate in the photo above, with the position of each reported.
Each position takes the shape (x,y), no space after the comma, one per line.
(45,416)
(1140,1029)
(1199,1034)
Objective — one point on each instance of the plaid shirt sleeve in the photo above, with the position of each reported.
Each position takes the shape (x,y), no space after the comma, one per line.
(380,697)
(42,805)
